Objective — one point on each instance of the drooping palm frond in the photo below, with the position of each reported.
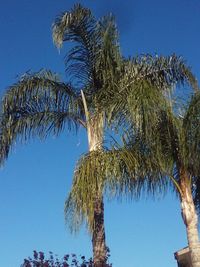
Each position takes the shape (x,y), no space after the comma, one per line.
(141,110)
(191,127)
(144,88)
(196,193)
(79,26)
(120,172)
(173,142)
(155,133)
(168,136)
(75,25)
(89,180)
(94,59)
(154,166)
(32,86)
(191,130)
(5,143)
(162,72)
(109,62)
(36,106)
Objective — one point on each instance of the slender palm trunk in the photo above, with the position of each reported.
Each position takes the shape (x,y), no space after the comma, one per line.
(95,127)
(95,136)
(190,218)
(98,236)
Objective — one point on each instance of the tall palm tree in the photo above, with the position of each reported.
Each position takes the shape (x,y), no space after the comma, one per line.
(40,104)
(165,134)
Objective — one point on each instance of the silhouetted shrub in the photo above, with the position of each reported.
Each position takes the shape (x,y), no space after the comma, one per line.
(39,260)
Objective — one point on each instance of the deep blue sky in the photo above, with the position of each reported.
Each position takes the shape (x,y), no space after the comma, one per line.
(35,180)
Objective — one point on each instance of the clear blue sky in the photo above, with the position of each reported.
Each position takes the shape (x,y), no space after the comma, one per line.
(35,180)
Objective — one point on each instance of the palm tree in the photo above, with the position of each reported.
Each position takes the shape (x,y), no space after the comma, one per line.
(39,104)
(165,134)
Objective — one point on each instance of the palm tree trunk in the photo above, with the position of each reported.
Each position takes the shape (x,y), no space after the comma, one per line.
(95,135)
(190,218)
(98,236)
(95,127)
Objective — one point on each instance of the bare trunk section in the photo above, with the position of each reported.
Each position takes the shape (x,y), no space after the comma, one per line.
(190,218)
(98,237)
(95,126)
(95,137)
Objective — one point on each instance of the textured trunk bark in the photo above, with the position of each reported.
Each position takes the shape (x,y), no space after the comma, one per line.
(98,237)
(95,136)
(190,219)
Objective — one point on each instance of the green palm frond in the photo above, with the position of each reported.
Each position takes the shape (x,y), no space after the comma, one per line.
(5,143)
(162,72)
(36,106)
(109,62)
(89,180)
(32,87)
(94,58)
(140,111)
(168,136)
(79,26)
(156,146)
(196,193)
(144,88)
(153,167)
(122,172)
(76,25)
(191,127)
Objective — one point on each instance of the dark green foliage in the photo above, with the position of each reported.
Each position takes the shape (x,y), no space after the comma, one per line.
(196,192)
(39,260)
(122,171)
(95,54)
(69,260)
(38,105)
(141,83)
(172,139)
